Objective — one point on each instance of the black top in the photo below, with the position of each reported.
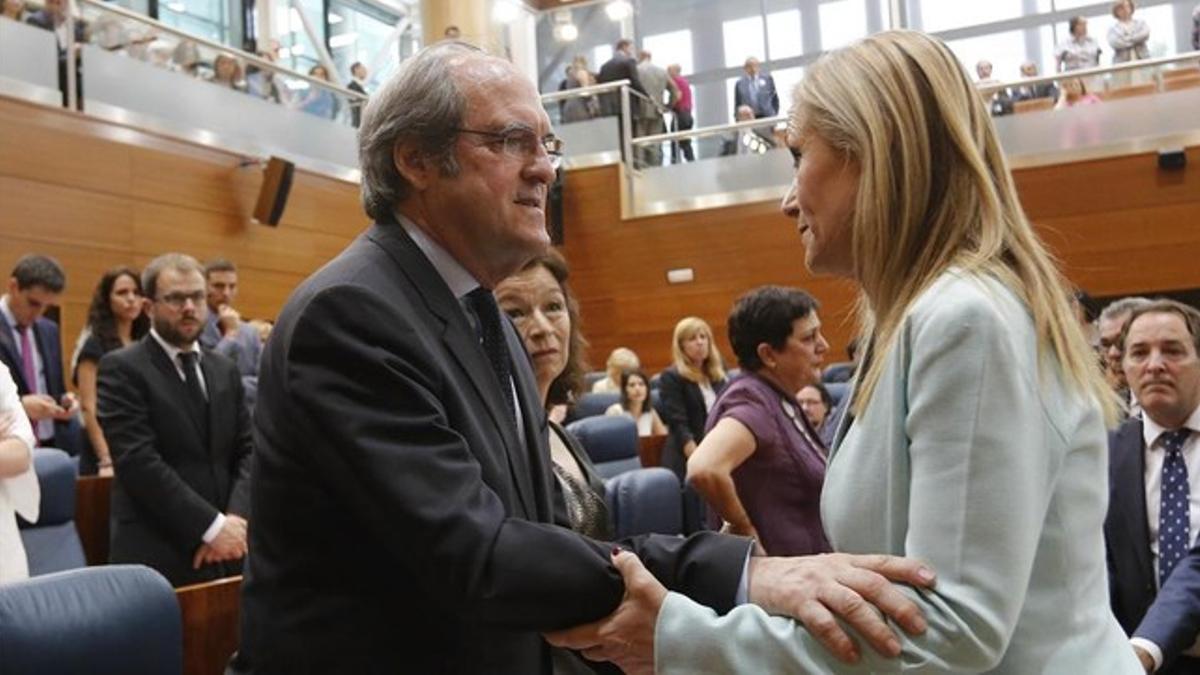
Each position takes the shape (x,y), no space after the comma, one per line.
(91,350)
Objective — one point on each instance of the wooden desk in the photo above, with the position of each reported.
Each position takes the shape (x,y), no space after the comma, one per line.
(91,516)
(650,450)
(210,624)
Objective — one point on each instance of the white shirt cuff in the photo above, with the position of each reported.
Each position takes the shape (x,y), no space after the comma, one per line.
(743,591)
(214,529)
(1152,649)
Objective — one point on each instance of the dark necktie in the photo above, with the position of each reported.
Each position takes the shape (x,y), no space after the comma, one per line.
(491,335)
(1174,522)
(192,380)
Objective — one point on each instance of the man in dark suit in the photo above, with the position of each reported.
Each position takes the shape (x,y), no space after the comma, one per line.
(405,515)
(176,423)
(1154,508)
(1173,621)
(53,17)
(757,90)
(358,83)
(622,66)
(29,346)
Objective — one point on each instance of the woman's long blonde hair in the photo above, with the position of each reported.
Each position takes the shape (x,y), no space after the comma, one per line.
(935,192)
(712,368)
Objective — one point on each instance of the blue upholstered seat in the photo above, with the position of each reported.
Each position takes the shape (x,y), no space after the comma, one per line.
(112,619)
(610,441)
(52,543)
(645,501)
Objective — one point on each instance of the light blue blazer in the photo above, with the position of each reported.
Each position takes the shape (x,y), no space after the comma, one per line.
(979,460)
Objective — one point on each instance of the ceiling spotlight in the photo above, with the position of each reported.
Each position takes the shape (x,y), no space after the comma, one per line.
(566,32)
(618,10)
(505,11)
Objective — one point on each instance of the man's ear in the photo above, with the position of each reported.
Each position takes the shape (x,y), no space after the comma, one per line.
(414,165)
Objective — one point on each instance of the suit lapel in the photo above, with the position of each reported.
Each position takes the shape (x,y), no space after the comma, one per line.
(461,343)
(532,472)
(1129,491)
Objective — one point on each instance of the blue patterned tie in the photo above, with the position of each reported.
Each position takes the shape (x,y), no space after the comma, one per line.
(1174,523)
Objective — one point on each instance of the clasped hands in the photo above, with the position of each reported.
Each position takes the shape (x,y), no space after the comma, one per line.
(813,589)
(42,407)
(229,544)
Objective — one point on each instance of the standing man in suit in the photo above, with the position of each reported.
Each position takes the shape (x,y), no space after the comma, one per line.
(405,516)
(757,90)
(358,83)
(1154,509)
(179,433)
(30,347)
(224,331)
(622,66)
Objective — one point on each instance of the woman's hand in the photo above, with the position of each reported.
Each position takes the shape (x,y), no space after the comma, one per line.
(625,637)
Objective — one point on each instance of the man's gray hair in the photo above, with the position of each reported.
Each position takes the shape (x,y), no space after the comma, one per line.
(173,261)
(1121,307)
(420,103)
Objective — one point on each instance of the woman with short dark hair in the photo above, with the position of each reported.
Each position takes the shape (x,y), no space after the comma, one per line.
(761,464)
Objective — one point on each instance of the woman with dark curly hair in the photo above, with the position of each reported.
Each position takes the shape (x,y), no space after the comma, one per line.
(116,318)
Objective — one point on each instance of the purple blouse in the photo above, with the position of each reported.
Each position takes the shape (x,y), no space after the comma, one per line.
(780,484)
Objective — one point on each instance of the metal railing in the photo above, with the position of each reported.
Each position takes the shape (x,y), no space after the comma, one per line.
(1091,73)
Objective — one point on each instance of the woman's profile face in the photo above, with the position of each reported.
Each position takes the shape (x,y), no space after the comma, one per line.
(125,300)
(538,308)
(695,348)
(798,363)
(821,199)
(635,389)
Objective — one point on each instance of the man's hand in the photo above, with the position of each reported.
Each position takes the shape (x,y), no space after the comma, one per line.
(1145,658)
(70,407)
(814,589)
(228,320)
(625,637)
(41,407)
(229,544)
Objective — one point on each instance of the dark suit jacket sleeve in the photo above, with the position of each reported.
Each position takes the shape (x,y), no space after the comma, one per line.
(1173,621)
(674,406)
(774,93)
(240,458)
(631,74)
(739,97)
(152,483)
(365,388)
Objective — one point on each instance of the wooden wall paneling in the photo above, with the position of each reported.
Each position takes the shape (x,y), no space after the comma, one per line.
(325,205)
(1103,185)
(34,145)
(47,212)
(200,183)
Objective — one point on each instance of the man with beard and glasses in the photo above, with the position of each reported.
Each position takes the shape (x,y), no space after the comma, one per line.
(179,432)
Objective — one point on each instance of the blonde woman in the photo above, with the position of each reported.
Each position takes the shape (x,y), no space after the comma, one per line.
(620,360)
(687,389)
(976,435)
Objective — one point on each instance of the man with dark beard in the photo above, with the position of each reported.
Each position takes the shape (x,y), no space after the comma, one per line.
(176,423)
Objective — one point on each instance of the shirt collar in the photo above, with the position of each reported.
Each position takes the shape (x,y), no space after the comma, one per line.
(1151,430)
(172,351)
(450,270)
(8,315)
